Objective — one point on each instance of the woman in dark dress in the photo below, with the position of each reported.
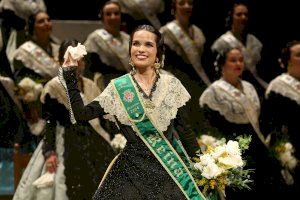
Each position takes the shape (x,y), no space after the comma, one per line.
(148,107)
(78,154)
(36,60)
(280,109)
(239,35)
(232,107)
(184,49)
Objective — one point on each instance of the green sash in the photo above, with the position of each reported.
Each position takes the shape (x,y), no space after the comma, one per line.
(155,140)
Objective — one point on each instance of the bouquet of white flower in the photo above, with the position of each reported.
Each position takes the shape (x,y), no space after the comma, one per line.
(220,164)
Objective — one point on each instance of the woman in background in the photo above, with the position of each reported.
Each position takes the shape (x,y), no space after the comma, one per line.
(76,154)
(282,96)
(35,63)
(184,47)
(238,35)
(232,108)
(108,47)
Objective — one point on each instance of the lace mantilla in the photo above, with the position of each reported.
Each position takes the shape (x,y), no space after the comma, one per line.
(198,40)
(218,100)
(111,50)
(167,98)
(287,86)
(37,59)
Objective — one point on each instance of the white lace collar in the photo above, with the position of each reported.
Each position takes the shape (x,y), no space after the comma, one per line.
(285,85)
(37,59)
(227,105)
(111,51)
(167,98)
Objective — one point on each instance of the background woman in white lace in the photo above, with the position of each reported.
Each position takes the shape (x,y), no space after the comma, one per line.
(36,60)
(238,35)
(280,109)
(231,106)
(75,156)
(184,48)
(108,47)
(136,173)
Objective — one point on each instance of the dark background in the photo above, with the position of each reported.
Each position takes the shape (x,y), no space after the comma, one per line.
(273,23)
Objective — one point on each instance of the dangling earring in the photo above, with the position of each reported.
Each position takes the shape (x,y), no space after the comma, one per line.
(157,65)
(133,70)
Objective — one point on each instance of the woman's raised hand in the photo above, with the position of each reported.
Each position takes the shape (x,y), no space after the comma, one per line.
(73,55)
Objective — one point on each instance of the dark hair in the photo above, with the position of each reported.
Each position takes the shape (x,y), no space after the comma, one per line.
(63,47)
(107,3)
(221,56)
(229,18)
(286,53)
(159,39)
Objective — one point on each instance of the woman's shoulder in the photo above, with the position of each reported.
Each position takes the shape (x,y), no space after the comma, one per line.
(168,77)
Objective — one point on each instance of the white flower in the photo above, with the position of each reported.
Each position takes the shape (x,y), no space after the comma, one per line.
(211,171)
(208,141)
(30,89)
(233,148)
(208,167)
(286,157)
(119,142)
(229,154)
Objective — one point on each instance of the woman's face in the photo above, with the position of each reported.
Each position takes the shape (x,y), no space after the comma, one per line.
(112,16)
(42,25)
(143,49)
(240,17)
(295,56)
(234,64)
(184,8)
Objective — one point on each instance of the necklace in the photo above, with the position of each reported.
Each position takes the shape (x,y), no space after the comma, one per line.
(147,98)
(144,86)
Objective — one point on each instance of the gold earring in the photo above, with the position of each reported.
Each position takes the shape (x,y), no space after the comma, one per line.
(156,64)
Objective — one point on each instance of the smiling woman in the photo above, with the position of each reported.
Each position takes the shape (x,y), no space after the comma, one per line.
(160,140)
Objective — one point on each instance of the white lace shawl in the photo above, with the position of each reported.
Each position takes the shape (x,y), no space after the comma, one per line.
(37,59)
(170,40)
(285,85)
(169,95)
(109,49)
(251,51)
(218,100)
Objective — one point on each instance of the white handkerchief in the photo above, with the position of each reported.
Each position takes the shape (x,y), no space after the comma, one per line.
(76,52)
(46,180)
